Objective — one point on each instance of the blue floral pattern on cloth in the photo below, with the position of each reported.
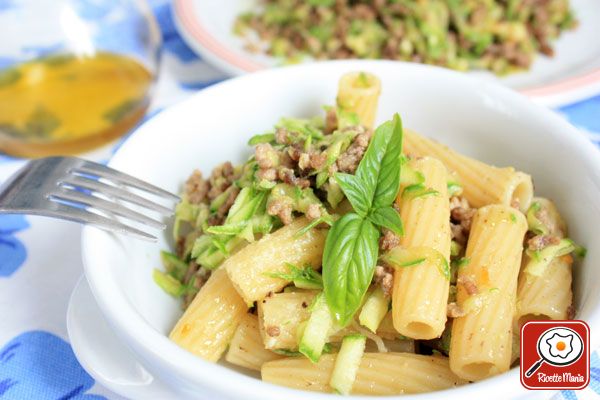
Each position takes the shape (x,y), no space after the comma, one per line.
(593,387)
(12,251)
(595,373)
(585,116)
(40,365)
(172,42)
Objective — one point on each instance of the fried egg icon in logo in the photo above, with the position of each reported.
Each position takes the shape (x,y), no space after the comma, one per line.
(560,346)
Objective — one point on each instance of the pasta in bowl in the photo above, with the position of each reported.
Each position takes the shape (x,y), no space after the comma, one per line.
(330,227)
(293,255)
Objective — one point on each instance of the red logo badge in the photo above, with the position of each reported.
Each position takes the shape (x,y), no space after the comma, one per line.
(554,355)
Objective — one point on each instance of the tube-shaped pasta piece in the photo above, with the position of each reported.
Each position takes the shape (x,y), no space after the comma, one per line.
(247,348)
(208,324)
(358,92)
(548,296)
(280,316)
(420,293)
(482,184)
(378,374)
(481,340)
(250,269)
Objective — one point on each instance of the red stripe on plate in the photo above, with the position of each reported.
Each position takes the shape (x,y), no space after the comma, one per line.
(565,85)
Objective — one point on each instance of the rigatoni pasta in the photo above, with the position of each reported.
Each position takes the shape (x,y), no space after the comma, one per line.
(482,183)
(280,316)
(420,293)
(208,324)
(251,269)
(358,93)
(334,260)
(482,339)
(247,348)
(549,295)
(382,374)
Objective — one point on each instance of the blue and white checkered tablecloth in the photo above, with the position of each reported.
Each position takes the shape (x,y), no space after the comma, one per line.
(37,275)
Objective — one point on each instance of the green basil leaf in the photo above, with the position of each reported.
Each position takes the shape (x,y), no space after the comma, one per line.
(349,259)
(387,217)
(355,192)
(379,170)
(388,183)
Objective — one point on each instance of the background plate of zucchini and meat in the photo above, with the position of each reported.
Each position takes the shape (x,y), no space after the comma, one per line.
(547,49)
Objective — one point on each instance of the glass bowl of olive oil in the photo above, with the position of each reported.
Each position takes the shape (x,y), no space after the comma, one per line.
(74,74)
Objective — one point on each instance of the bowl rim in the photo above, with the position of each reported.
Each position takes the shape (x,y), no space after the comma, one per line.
(156,349)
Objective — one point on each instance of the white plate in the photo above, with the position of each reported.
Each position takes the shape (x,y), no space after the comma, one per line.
(101,353)
(573,74)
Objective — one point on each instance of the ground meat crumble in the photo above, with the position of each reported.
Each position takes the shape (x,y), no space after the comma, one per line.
(453,310)
(546,219)
(540,242)
(388,240)
(349,160)
(221,178)
(331,122)
(385,278)
(461,216)
(282,209)
(467,283)
(295,165)
(273,331)
(313,212)
(196,188)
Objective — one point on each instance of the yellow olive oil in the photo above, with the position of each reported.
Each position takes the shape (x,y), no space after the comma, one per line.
(65,104)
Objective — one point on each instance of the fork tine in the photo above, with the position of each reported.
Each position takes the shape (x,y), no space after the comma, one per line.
(103,171)
(104,205)
(82,216)
(97,186)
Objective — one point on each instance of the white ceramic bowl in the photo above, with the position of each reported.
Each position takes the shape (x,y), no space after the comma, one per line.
(480,119)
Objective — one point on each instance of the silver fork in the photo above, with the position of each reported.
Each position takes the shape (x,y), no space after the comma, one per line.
(83,191)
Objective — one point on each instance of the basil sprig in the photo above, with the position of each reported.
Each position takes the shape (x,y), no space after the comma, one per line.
(351,247)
